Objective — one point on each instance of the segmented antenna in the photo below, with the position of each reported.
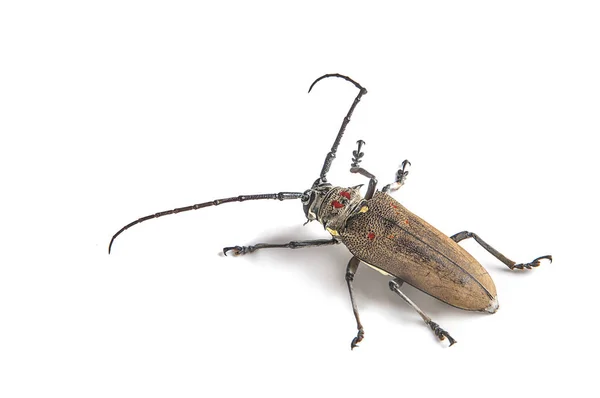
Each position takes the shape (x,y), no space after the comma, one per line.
(336,143)
(241,198)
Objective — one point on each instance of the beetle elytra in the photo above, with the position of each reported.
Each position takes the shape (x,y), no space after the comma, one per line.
(384,235)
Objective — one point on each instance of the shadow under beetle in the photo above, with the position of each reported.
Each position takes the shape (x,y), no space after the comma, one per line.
(383,234)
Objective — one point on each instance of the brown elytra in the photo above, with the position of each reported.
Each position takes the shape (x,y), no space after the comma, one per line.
(392,239)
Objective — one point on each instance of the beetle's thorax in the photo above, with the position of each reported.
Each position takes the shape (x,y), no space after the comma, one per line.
(333,206)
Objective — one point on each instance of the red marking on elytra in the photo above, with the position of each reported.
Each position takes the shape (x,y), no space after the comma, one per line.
(371,235)
(394,206)
(337,204)
(406,222)
(345,194)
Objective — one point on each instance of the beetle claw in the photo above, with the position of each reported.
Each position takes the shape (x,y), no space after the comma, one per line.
(359,336)
(450,339)
(534,263)
(237,250)
(441,333)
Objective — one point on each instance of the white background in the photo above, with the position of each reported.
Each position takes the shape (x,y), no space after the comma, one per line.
(118,109)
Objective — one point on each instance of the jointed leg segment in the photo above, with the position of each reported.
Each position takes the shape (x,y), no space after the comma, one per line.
(350,271)
(401,175)
(239,250)
(437,330)
(509,263)
(357,158)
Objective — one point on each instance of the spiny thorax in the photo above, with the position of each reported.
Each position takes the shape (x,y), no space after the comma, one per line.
(337,206)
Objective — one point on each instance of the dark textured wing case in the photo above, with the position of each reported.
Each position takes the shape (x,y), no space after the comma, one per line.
(394,240)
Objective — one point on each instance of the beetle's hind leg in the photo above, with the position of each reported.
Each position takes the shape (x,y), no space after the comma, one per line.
(401,175)
(509,263)
(295,244)
(437,330)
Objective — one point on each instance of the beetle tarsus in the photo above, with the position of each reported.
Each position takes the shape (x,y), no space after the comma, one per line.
(357,154)
(534,263)
(441,333)
(437,330)
(359,336)
(401,175)
(508,262)
(237,250)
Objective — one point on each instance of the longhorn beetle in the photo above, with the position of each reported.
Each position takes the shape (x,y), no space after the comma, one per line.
(384,235)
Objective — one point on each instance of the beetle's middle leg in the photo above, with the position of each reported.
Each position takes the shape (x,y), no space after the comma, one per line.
(439,332)
(509,263)
(350,271)
(356,159)
(296,244)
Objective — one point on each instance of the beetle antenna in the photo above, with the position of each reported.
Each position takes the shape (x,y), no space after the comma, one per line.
(336,143)
(241,198)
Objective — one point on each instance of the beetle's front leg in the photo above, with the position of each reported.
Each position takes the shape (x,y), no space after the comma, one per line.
(401,175)
(437,330)
(295,244)
(356,159)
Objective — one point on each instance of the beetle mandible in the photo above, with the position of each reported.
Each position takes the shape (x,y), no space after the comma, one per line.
(384,235)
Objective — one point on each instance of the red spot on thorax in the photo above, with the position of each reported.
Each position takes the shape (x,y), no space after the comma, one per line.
(345,194)
(337,204)
(371,235)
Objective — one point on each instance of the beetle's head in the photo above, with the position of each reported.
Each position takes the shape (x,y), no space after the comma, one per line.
(312,200)
(332,206)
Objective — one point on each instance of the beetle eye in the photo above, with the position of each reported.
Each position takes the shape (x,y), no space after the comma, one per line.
(307,196)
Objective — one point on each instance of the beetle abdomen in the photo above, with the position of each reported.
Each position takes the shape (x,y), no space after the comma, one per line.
(393,239)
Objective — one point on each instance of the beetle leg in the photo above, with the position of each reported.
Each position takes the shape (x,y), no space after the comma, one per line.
(356,159)
(400,178)
(350,271)
(358,154)
(509,263)
(437,330)
(298,244)
(372,180)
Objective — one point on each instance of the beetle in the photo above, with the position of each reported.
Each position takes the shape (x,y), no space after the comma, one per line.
(381,233)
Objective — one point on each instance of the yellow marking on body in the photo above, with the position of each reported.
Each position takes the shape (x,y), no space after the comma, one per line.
(363,209)
(332,231)
(378,270)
